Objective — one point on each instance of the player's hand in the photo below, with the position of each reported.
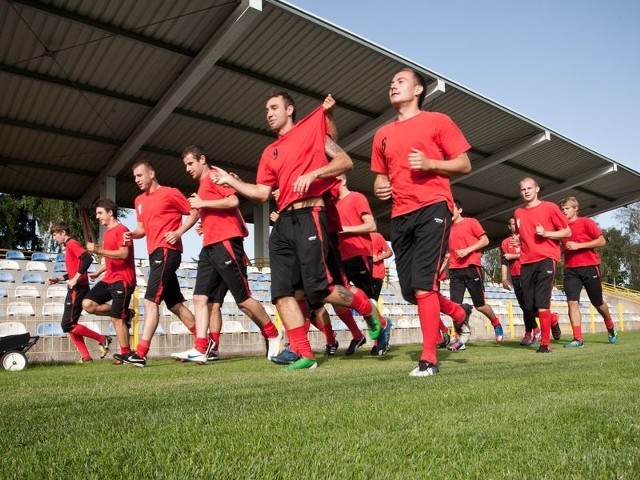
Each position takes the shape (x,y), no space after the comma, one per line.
(418,161)
(302,184)
(273,216)
(540,230)
(461,253)
(71,283)
(382,190)
(93,276)
(198,227)
(53,280)
(172,237)
(328,104)
(220,176)
(571,246)
(506,285)
(127,236)
(194,201)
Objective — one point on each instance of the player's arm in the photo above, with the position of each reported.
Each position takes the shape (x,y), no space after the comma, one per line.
(504,270)
(382,254)
(139,232)
(368,225)
(455,166)
(598,242)
(120,254)
(219,203)
(553,234)
(173,236)
(482,242)
(328,106)
(253,191)
(382,187)
(339,162)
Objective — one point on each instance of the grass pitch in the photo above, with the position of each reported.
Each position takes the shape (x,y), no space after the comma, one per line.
(494,411)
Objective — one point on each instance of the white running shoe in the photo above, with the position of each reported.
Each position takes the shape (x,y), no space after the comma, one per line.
(192,355)
(274,346)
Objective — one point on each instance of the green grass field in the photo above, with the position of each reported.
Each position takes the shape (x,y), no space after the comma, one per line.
(494,411)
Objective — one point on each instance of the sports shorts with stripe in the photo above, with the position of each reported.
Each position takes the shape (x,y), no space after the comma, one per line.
(468,278)
(537,283)
(589,277)
(420,240)
(118,292)
(163,281)
(73,307)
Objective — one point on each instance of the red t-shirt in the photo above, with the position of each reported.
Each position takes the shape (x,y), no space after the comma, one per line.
(119,270)
(350,210)
(514,265)
(583,229)
(464,233)
(299,151)
(219,224)
(161,212)
(73,252)
(534,248)
(438,137)
(379,246)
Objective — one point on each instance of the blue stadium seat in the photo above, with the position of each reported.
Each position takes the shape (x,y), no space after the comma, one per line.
(183,283)
(3,293)
(6,277)
(60,257)
(40,257)
(59,267)
(192,273)
(14,255)
(32,277)
(49,329)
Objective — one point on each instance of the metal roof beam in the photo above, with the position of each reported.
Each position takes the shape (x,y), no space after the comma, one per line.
(505,154)
(366,132)
(562,187)
(235,25)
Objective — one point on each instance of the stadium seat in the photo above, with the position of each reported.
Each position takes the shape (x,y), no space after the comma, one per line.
(9,265)
(40,257)
(178,328)
(184,284)
(3,293)
(36,266)
(92,326)
(252,269)
(49,329)
(232,326)
(338,325)
(32,277)
(92,268)
(57,291)
(192,273)
(60,257)
(20,309)
(139,272)
(181,273)
(188,294)
(253,328)
(6,277)
(27,291)
(53,309)
(60,267)
(12,328)
(141,282)
(14,255)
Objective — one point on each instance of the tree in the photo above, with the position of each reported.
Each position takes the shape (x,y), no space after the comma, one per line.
(630,220)
(491,262)
(614,267)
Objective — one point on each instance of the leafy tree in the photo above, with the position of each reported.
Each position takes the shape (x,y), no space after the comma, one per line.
(630,220)
(614,266)
(491,263)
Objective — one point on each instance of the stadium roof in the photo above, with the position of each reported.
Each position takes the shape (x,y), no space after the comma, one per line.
(90,87)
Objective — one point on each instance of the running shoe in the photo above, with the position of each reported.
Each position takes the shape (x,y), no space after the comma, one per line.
(373,322)
(544,349)
(332,349)
(456,346)
(499,332)
(104,347)
(446,339)
(574,344)
(192,355)
(84,360)
(134,359)
(286,357)
(468,309)
(355,345)
(555,327)
(274,346)
(374,350)
(537,335)
(301,364)
(424,369)
(526,340)
(383,339)
(613,335)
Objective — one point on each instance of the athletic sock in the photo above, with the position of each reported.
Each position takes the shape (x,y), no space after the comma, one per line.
(269,330)
(361,303)
(545,326)
(347,317)
(609,323)
(78,341)
(125,350)
(85,331)
(192,330)
(495,322)
(215,336)
(299,342)
(577,332)
(429,314)
(143,348)
(201,344)
(451,309)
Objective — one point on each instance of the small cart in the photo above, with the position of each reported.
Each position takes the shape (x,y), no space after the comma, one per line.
(13,349)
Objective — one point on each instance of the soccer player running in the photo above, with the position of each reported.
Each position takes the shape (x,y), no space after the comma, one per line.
(466,241)
(222,259)
(413,158)
(540,225)
(77,261)
(302,164)
(510,267)
(159,211)
(355,250)
(119,280)
(582,269)
(381,251)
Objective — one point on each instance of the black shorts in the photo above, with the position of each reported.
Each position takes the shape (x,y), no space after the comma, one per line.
(468,278)
(537,284)
(223,262)
(298,252)
(163,281)
(359,272)
(420,240)
(73,307)
(589,277)
(118,292)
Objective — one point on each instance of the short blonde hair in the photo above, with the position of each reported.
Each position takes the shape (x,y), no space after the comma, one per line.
(571,201)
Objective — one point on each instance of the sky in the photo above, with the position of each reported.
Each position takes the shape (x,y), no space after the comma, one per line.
(570,65)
